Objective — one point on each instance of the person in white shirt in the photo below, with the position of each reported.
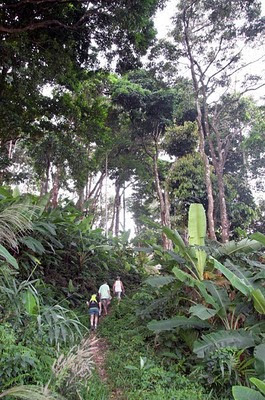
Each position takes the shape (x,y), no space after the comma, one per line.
(118,288)
(104,296)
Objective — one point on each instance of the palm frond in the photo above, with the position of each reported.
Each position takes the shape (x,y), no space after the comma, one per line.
(15,220)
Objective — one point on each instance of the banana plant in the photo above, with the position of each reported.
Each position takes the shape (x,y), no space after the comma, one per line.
(194,255)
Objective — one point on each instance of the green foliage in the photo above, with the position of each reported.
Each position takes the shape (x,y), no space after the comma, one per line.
(237,339)
(134,366)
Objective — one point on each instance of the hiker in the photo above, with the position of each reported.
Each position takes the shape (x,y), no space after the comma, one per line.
(105,297)
(94,306)
(118,288)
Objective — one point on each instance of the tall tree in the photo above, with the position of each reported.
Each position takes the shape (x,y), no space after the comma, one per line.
(152,106)
(213,35)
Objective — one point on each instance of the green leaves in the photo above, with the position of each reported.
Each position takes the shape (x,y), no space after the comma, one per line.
(202,312)
(31,302)
(242,284)
(216,340)
(245,393)
(8,257)
(176,322)
(259,354)
(159,281)
(233,279)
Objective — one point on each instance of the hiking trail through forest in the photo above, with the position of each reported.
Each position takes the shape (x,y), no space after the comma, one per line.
(99,353)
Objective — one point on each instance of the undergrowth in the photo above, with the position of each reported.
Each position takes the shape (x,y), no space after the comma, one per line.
(133,367)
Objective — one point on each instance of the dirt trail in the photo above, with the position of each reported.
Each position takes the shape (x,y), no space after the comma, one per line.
(100,349)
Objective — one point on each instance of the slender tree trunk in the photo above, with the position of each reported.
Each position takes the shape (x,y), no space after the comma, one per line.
(106,197)
(164,205)
(124,210)
(207,175)
(81,199)
(55,188)
(45,181)
(117,208)
(223,210)
(219,158)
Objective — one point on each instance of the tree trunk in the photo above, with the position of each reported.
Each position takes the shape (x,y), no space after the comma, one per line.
(81,199)
(223,210)
(164,205)
(45,181)
(124,210)
(207,175)
(55,188)
(117,208)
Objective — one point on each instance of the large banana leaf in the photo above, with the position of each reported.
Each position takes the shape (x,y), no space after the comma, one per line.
(197,225)
(176,322)
(159,281)
(185,251)
(220,339)
(245,393)
(8,257)
(235,281)
(202,312)
(243,246)
(258,300)
(244,275)
(220,295)
(183,276)
(197,234)
(260,237)
(192,282)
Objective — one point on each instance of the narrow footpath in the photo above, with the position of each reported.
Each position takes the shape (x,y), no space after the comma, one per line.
(99,352)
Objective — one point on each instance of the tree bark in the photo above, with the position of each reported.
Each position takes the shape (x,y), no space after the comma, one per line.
(81,199)
(56,187)
(117,203)
(45,181)
(223,209)
(164,205)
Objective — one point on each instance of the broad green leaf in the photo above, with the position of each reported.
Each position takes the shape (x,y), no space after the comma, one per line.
(244,246)
(33,244)
(260,237)
(245,393)
(235,281)
(176,257)
(176,238)
(184,277)
(239,271)
(202,288)
(176,322)
(8,257)
(220,296)
(202,312)
(259,300)
(197,234)
(220,339)
(259,354)
(197,225)
(30,302)
(159,281)
(260,384)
